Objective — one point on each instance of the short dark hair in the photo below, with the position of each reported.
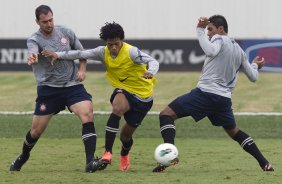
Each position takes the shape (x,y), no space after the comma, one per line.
(219,20)
(111,31)
(42,9)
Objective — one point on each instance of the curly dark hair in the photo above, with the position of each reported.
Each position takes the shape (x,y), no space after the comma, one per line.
(219,20)
(111,31)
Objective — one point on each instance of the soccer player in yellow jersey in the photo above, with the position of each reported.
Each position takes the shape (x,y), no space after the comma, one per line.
(131,72)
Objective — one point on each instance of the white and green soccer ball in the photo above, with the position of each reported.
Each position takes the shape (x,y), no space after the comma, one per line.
(166,154)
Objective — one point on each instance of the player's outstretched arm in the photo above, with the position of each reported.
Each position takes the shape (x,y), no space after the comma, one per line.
(51,54)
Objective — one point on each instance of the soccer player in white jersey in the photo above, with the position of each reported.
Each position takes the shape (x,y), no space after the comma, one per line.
(58,86)
(131,72)
(212,96)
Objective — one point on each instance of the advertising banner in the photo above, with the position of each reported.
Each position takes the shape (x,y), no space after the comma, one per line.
(173,55)
(271,50)
(13,55)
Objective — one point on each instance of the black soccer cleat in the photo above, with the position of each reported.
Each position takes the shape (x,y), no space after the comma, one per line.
(91,166)
(18,163)
(102,165)
(161,168)
(95,165)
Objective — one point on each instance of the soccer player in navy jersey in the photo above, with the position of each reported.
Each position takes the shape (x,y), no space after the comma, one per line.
(59,85)
(212,96)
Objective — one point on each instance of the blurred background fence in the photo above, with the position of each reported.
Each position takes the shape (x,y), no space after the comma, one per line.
(165,29)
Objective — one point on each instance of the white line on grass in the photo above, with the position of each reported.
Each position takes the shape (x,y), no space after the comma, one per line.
(150,113)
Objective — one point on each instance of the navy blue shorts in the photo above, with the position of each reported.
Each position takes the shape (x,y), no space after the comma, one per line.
(199,105)
(52,100)
(138,108)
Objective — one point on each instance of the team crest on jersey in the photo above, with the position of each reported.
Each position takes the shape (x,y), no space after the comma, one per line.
(64,41)
(43,107)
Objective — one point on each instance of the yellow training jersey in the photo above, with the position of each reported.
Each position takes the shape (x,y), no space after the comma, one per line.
(123,73)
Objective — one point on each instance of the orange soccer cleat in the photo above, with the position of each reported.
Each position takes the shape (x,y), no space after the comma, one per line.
(107,157)
(124,163)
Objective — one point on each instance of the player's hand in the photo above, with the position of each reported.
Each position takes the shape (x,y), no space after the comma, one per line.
(147,75)
(81,75)
(32,58)
(259,61)
(203,22)
(51,54)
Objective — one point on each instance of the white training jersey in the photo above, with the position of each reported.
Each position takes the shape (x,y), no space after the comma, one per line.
(224,58)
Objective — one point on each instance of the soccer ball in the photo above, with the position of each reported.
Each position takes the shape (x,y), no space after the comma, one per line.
(166,154)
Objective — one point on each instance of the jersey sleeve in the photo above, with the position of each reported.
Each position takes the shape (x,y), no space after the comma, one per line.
(95,54)
(140,57)
(74,41)
(250,70)
(32,46)
(210,47)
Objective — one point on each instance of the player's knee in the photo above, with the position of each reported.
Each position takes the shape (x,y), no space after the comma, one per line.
(163,113)
(88,116)
(119,111)
(168,112)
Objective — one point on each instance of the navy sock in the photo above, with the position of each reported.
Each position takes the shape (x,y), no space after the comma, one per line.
(126,146)
(111,130)
(28,144)
(248,144)
(89,140)
(167,128)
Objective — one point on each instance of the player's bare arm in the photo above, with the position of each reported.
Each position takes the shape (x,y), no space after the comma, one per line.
(32,59)
(51,54)
(81,73)
(259,61)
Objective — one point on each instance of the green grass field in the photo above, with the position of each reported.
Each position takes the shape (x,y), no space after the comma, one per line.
(18,91)
(216,161)
(207,155)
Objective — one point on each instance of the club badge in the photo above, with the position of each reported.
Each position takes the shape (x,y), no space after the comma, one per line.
(64,41)
(43,107)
